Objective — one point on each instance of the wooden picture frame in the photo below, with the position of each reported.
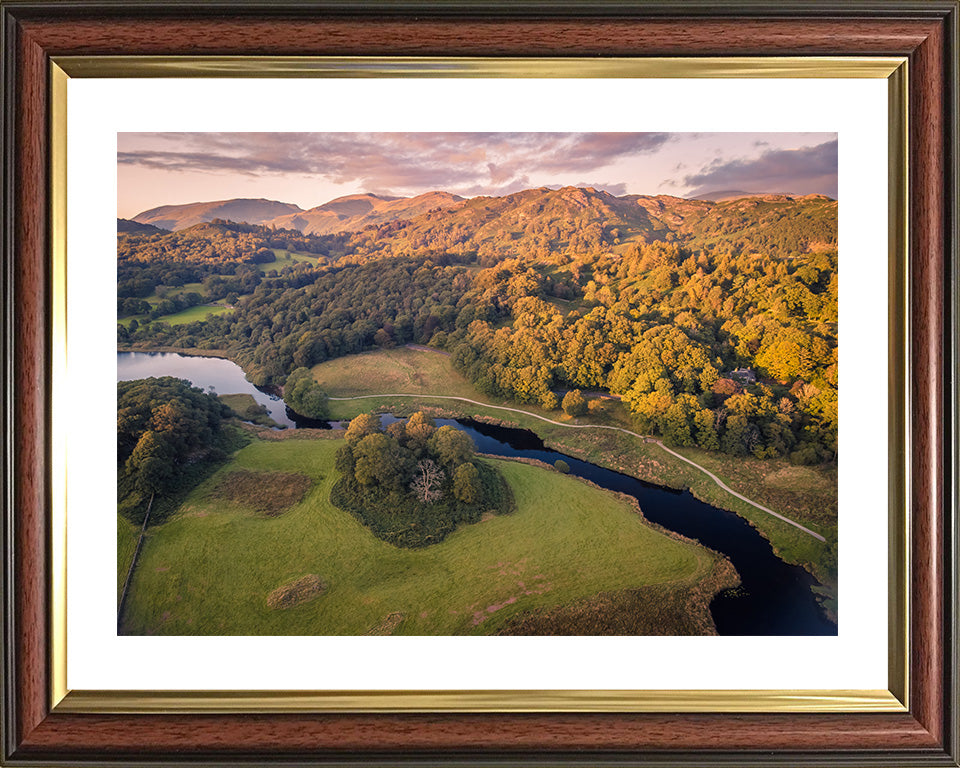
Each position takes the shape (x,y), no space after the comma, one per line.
(38,732)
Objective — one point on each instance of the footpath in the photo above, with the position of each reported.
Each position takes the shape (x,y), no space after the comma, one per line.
(645,438)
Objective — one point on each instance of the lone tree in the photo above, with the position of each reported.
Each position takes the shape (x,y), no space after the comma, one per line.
(304,395)
(427,482)
(574,403)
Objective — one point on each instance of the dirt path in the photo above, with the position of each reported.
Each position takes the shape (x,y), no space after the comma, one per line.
(645,438)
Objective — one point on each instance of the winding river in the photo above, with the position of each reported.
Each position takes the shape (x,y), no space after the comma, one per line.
(775,598)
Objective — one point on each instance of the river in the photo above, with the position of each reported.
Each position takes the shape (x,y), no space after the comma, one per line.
(775,598)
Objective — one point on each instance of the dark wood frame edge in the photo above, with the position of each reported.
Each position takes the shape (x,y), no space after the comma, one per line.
(925,31)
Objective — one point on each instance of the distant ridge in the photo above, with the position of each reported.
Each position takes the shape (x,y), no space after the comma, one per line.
(135,227)
(723,195)
(251,211)
(354,212)
(539,221)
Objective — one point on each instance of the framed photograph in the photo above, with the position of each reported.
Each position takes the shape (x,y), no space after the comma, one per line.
(478,383)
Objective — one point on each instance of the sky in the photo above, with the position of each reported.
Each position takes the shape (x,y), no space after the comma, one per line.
(309,169)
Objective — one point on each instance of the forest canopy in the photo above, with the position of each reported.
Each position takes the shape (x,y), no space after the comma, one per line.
(166,431)
(715,323)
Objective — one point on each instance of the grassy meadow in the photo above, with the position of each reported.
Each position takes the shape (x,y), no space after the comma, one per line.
(189,315)
(805,494)
(287,259)
(402,369)
(212,567)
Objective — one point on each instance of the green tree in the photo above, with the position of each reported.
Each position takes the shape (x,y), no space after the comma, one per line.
(466,484)
(304,395)
(345,463)
(451,446)
(380,461)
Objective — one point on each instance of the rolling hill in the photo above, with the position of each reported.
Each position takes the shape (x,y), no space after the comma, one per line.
(354,212)
(135,227)
(542,223)
(176,217)
(534,224)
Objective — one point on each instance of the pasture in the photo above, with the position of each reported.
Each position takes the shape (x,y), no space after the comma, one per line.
(212,567)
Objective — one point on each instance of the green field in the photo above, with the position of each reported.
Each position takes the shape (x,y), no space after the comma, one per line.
(286,259)
(153,298)
(210,568)
(390,370)
(805,494)
(189,315)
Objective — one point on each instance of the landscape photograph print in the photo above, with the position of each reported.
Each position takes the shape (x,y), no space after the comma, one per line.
(477,384)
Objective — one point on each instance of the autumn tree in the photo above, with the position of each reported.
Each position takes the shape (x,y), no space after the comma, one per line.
(466,484)
(419,429)
(361,426)
(452,446)
(574,403)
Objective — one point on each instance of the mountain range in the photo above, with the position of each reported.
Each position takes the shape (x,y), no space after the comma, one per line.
(540,215)
(175,217)
(536,224)
(344,214)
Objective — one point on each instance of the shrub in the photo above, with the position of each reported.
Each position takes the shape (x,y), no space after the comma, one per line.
(549,401)
(574,403)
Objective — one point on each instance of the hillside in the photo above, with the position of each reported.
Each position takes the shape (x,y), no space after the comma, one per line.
(536,223)
(176,217)
(135,227)
(549,224)
(659,300)
(354,212)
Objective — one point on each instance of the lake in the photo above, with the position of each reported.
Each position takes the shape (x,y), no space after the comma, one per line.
(213,374)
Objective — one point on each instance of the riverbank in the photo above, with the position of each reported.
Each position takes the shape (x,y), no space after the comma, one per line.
(618,609)
(221,354)
(802,493)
